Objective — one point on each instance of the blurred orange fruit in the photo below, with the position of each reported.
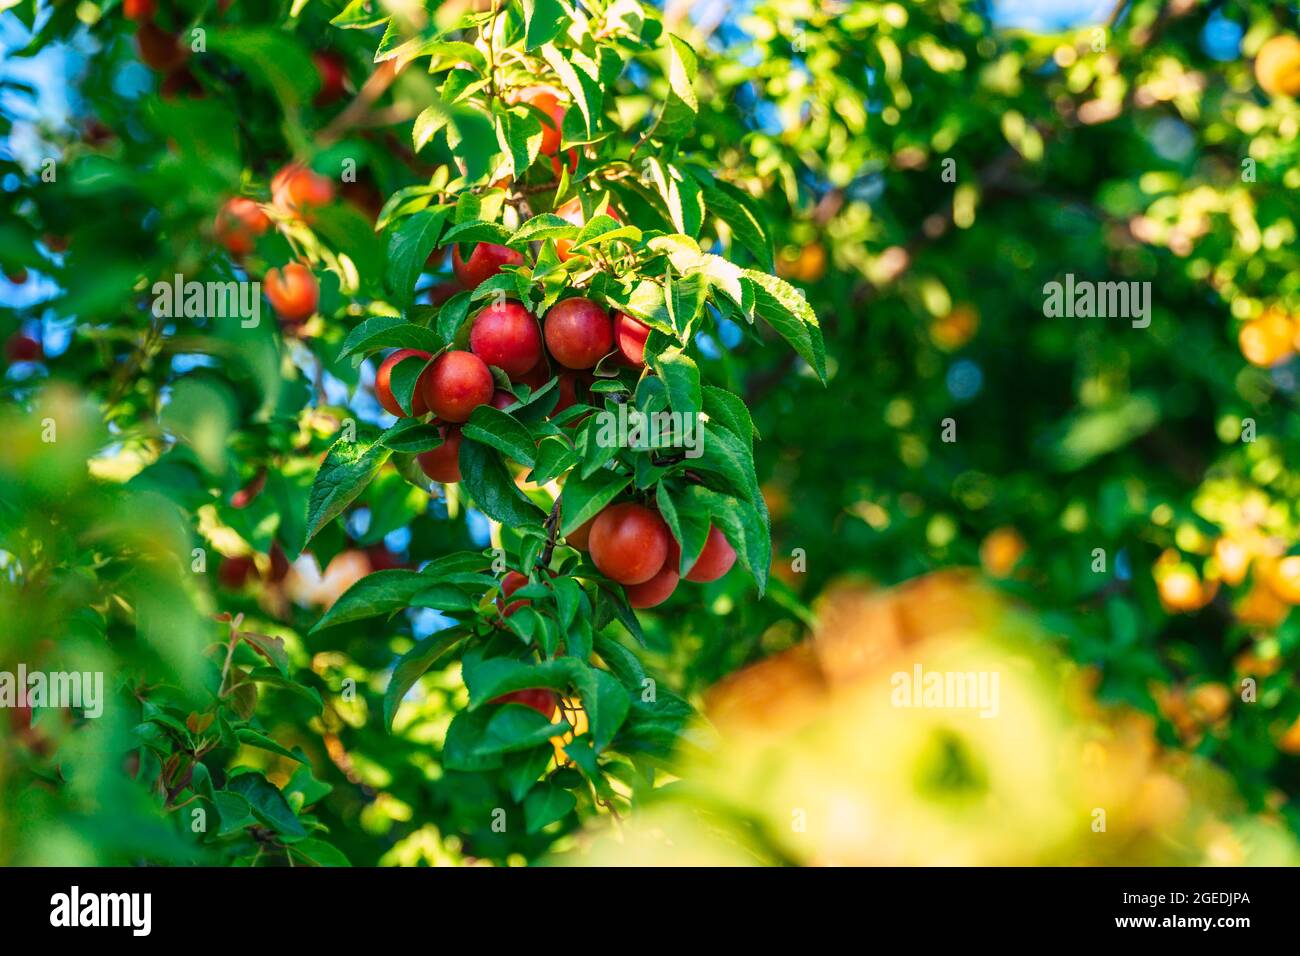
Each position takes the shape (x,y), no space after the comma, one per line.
(1261,608)
(1289,742)
(807,264)
(1181,591)
(1267,340)
(1277,66)
(1283,578)
(952,331)
(1001,551)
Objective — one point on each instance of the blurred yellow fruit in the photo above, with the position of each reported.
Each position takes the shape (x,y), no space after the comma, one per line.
(952,331)
(1210,702)
(1232,561)
(1001,551)
(1267,340)
(1277,66)
(1181,591)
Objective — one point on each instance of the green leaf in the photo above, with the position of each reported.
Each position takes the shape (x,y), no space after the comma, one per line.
(544,20)
(729,410)
(319,853)
(681,107)
(471,133)
(413,665)
(234,811)
(736,208)
(347,469)
(568,598)
(688,520)
(514,727)
(361,15)
(681,377)
(267,803)
(584,88)
(784,308)
(409,247)
(522,769)
(585,497)
(743,524)
(381,592)
(477,230)
(545,805)
(491,426)
(451,319)
(253,738)
(489,678)
(606,702)
(681,194)
(387,331)
(486,480)
(519,134)
(411,436)
(546,226)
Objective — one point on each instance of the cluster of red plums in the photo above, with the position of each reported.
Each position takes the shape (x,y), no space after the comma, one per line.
(575,336)
(292,290)
(631,544)
(628,542)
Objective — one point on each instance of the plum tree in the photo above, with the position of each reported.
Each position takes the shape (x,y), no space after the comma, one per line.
(715,560)
(506,335)
(655,591)
(629,543)
(333,73)
(571,211)
(293,292)
(239,222)
(384,386)
(443,463)
(485,260)
(578,333)
(511,583)
(296,188)
(456,384)
(139,9)
(159,50)
(539,699)
(630,336)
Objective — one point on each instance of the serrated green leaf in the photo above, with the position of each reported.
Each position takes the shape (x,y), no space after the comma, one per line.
(491,426)
(347,469)
(488,483)
(585,497)
(414,664)
(409,248)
